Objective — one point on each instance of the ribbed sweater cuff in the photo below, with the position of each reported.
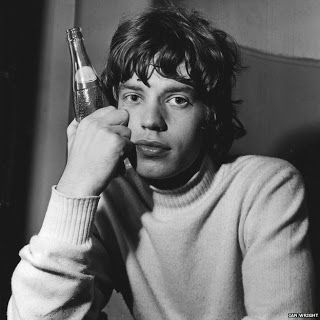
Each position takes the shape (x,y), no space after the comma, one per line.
(69,219)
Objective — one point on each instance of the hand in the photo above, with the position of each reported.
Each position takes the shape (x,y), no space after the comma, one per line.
(96,147)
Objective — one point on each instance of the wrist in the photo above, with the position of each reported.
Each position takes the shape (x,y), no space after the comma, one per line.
(76,189)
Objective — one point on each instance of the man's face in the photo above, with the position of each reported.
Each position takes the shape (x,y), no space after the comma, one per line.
(165,122)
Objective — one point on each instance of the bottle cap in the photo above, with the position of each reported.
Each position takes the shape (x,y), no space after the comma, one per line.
(74,33)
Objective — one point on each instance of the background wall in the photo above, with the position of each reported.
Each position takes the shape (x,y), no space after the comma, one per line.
(51,110)
(286,27)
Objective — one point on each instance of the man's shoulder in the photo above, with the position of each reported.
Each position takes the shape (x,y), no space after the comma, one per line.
(255,169)
(257,161)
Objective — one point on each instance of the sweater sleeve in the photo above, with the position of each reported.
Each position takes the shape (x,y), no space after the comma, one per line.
(277,266)
(60,273)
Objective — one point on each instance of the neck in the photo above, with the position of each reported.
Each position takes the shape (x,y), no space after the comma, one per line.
(177,180)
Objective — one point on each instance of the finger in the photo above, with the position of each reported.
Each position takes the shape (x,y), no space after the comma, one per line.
(116,117)
(111,115)
(103,110)
(121,130)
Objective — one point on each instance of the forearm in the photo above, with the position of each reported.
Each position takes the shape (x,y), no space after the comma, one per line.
(53,279)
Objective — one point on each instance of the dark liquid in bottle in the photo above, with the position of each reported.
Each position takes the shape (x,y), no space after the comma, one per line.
(87,101)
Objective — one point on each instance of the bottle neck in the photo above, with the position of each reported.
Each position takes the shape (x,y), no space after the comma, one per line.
(78,53)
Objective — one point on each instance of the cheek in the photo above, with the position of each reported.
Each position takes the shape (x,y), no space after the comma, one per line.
(188,134)
(194,141)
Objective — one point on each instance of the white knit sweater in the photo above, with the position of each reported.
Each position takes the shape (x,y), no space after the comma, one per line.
(230,244)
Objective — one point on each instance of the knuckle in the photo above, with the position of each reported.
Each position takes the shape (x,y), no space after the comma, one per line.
(72,127)
(124,114)
(106,133)
(86,122)
(117,143)
(110,108)
(114,139)
(128,132)
(69,131)
(89,123)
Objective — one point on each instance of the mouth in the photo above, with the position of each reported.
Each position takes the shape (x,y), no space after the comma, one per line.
(151,148)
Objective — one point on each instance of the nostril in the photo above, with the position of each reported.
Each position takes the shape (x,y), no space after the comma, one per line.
(154,122)
(155,126)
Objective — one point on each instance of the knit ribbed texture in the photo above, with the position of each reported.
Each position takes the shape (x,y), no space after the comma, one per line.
(188,194)
(69,219)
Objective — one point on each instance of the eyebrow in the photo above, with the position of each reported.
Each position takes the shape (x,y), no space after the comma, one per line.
(177,88)
(170,89)
(130,87)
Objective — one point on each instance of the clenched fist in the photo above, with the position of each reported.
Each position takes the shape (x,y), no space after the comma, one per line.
(96,148)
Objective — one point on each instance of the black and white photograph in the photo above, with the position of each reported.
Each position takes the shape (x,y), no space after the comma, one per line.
(160,160)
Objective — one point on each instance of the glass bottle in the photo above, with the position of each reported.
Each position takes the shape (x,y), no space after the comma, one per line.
(88,93)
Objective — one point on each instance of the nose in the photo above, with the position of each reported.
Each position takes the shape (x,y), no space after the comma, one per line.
(152,117)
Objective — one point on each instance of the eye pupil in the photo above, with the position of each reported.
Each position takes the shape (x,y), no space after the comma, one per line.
(179,100)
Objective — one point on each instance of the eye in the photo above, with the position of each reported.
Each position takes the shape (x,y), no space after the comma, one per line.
(179,101)
(132,98)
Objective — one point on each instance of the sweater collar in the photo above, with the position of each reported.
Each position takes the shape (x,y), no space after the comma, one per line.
(183,196)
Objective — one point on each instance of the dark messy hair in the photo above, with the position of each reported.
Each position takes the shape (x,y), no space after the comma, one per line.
(167,37)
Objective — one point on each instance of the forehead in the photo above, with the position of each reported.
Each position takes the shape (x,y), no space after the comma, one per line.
(157,84)
(158,81)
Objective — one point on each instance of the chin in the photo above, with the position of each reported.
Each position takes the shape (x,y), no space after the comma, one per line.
(155,174)
(155,170)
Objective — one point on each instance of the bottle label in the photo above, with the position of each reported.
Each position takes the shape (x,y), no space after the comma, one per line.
(85,74)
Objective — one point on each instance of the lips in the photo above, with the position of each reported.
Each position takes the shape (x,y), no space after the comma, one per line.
(151,148)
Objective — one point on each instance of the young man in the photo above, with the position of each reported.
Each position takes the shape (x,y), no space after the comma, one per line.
(182,234)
